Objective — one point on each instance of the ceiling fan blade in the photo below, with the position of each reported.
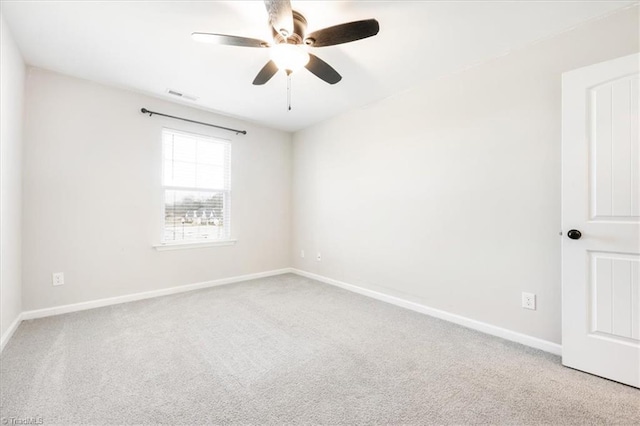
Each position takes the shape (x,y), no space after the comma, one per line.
(280,16)
(343,33)
(229,40)
(265,73)
(323,70)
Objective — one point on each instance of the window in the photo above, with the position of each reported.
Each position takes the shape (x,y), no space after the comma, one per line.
(197,187)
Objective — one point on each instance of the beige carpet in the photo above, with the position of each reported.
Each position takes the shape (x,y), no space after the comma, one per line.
(288,350)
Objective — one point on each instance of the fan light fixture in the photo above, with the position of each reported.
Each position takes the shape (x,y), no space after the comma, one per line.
(291,40)
(289,57)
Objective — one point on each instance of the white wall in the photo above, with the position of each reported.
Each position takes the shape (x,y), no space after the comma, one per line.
(12,74)
(93,204)
(449,194)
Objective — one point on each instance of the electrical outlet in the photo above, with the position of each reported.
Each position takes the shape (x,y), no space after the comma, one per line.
(319,257)
(302,254)
(57,278)
(529,301)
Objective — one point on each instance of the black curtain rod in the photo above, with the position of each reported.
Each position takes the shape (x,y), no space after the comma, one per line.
(146,111)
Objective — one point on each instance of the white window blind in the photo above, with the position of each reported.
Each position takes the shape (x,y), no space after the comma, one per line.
(197,187)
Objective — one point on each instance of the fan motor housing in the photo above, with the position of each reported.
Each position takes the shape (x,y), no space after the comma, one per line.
(299,29)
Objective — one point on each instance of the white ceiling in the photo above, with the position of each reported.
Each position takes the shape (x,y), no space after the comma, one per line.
(146,46)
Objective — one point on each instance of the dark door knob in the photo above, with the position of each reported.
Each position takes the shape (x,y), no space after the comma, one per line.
(574,234)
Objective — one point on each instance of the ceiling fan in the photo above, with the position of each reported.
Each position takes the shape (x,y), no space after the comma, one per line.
(290,42)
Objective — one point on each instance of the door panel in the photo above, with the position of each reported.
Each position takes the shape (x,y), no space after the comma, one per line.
(614,282)
(601,198)
(614,141)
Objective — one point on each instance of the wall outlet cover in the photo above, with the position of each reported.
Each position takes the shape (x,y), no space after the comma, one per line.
(57,278)
(528,301)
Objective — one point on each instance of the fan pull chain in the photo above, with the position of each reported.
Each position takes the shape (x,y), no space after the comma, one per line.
(289,89)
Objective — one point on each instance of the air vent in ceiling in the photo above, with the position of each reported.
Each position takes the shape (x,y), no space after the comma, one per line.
(182,95)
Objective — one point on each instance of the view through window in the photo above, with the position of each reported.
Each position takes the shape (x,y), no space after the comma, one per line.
(197,187)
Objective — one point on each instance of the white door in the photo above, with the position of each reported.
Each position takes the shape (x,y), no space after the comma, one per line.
(601,220)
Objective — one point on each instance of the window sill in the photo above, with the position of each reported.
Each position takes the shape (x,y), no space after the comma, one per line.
(193,245)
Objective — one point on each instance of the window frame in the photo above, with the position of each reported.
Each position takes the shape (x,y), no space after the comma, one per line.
(227,195)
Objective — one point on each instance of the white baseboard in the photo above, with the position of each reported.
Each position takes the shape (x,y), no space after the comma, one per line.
(57,310)
(12,329)
(493,330)
(504,333)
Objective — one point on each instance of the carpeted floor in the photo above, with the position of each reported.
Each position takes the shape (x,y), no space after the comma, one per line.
(288,350)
